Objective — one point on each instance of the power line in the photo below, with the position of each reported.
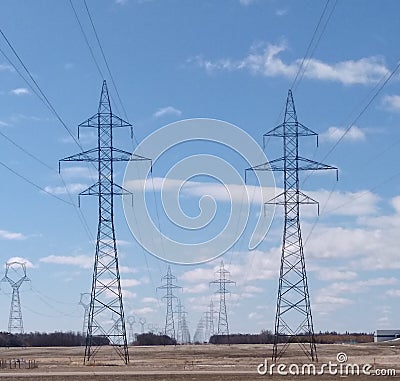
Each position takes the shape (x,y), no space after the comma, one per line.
(310,44)
(86,40)
(34,184)
(40,90)
(303,68)
(304,64)
(379,87)
(365,108)
(48,104)
(105,59)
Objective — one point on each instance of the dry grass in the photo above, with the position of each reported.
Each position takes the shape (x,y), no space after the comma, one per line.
(201,362)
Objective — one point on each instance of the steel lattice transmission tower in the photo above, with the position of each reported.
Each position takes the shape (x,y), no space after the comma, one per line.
(199,334)
(293,321)
(142,322)
(106,297)
(180,312)
(222,282)
(15,275)
(169,286)
(85,303)
(185,331)
(209,317)
(131,321)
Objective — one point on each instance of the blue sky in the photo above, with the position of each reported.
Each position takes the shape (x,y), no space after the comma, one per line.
(229,60)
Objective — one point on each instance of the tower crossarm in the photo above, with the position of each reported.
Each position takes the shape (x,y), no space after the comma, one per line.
(292,163)
(92,155)
(280,132)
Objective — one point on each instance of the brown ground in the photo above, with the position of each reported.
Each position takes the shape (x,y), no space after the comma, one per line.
(198,363)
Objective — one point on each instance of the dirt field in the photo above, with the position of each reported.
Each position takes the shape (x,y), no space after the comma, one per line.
(199,363)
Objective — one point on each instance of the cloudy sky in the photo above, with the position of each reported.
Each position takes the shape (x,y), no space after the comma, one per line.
(230,60)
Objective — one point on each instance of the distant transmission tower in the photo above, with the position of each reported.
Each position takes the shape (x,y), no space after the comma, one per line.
(106,296)
(293,321)
(131,321)
(199,334)
(85,303)
(209,317)
(142,322)
(180,312)
(169,286)
(185,331)
(15,275)
(222,282)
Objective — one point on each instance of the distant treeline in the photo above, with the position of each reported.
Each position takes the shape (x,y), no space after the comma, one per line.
(72,339)
(152,339)
(267,337)
(40,339)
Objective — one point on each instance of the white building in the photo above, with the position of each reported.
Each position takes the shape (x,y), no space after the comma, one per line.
(386,334)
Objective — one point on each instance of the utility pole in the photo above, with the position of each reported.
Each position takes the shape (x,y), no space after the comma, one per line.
(15,275)
(222,290)
(169,286)
(85,303)
(293,321)
(106,296)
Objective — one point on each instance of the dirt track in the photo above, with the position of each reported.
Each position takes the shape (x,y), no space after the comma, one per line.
(199,363)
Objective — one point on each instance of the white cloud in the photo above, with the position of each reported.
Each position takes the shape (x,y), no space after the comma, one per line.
(129,282)
(330,274)
(169,110)
(143,311)
(333,134)
(246,3)
(149,300)
(27,262)
(196,289)
(281,12)
(266,61)
(5,234)
(127,270)
(361,203)
(219,192)
(82,261)
(85,137)
(78,172)
(20,91)
(391,102)
(71,188)
(128,294)
(198,275)
(336,295)
(337,203)
(394,293)
(255,316)
(6,67)
(252,289)
(329,303)
(121,242)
